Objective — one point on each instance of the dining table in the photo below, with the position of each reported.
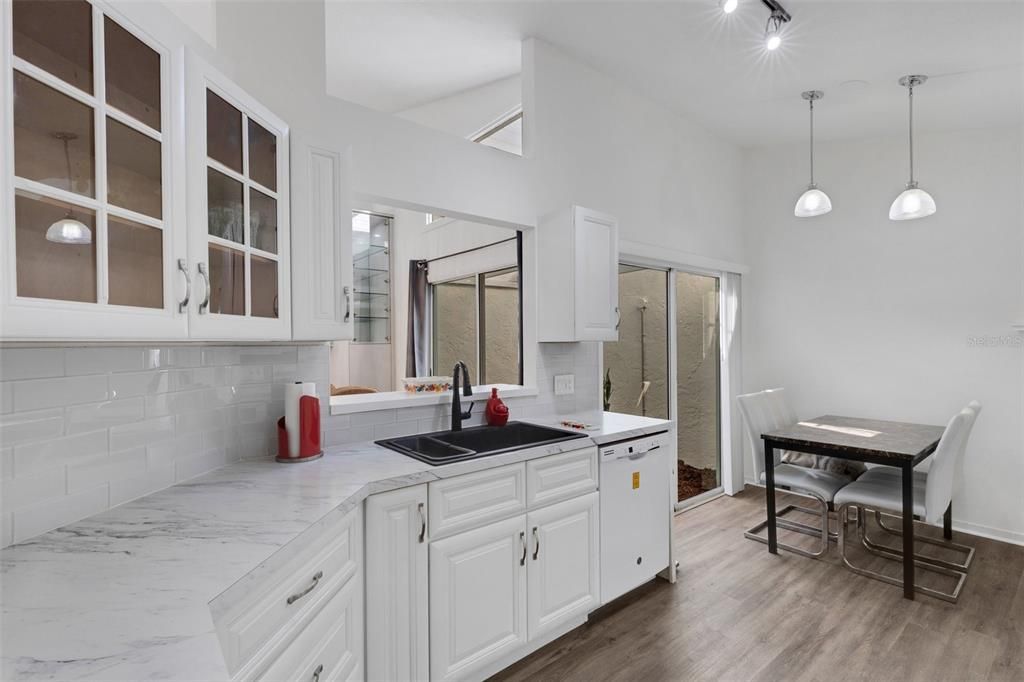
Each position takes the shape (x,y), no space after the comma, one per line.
(872,441)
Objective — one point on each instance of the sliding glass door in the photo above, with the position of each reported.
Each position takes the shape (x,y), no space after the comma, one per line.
(662,310)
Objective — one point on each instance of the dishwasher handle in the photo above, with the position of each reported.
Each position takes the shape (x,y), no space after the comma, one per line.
(640,455)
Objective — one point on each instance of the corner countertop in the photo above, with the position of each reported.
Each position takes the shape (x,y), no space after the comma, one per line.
(125,594)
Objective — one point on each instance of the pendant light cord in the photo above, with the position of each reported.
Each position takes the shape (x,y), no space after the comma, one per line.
(911,125)
(812,143)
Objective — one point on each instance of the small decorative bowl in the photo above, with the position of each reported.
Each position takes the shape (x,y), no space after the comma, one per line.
(427,384)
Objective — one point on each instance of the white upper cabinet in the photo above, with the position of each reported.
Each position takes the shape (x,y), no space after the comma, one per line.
(322,285)
(577,273)
(238,211)
(92,231)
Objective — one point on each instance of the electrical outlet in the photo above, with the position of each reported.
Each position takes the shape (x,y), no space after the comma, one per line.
(565,384)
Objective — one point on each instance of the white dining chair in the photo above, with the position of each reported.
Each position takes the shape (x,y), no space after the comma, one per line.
(920,478)
(766,411)
(933,494)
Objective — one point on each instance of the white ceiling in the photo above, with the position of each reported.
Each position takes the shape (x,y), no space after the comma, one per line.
(703,64)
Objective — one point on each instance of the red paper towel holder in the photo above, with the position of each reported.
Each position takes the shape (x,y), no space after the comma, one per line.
(309,433)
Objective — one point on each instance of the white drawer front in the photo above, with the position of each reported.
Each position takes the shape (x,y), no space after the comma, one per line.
(330,647)
(473,500)
(290,596)
(560,477)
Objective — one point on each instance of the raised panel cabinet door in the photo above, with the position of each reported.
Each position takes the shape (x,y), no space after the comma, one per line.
(596,286)
(563,563)
(477,598)
(322,289)
(397,643)
(239,239)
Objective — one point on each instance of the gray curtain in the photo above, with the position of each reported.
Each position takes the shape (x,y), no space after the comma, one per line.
(417,364)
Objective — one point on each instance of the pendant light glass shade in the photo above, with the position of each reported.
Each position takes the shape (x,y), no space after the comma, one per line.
(913,202)
(813,202)
(69,231)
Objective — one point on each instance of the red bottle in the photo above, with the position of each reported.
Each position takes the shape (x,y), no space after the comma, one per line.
(497,411)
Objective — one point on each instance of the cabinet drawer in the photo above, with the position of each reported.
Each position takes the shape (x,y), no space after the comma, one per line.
(473,500)
(290,595)
(329,648)
(560,477)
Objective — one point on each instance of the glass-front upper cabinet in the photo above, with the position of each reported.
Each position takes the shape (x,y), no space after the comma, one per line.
(89,245)
(371,272)
(238,211)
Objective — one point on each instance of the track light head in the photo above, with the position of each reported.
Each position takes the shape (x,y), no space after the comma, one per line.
(729,6)
(773,29)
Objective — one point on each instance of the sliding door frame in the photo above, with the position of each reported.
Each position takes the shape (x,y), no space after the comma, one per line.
(730,450)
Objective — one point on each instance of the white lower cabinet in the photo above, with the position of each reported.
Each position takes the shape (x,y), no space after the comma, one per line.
(329,648)
(477,598)
(396,585)
(563,576)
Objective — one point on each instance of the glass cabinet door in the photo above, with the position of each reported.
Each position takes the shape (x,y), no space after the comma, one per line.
(238,210)
(371,271)
(90,158)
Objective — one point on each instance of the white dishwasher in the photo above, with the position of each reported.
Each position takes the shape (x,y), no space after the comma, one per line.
(636,512)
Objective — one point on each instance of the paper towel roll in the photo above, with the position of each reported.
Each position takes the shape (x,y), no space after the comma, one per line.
(292,394)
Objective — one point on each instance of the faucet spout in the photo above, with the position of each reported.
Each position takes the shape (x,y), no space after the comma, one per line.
(467,390)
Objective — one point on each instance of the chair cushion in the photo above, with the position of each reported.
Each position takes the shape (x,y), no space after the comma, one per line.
(880,493)
(817,481)
(885,473)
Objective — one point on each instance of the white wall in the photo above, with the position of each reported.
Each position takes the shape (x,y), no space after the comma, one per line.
(465,113)
(858,315)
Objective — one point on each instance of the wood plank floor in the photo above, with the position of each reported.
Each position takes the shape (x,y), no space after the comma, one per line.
(739,613)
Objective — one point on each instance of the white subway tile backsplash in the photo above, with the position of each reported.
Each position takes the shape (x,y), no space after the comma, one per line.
(32,521)
(173,357)
(372,418)
(6,464)
(206,420)
(198,377)
(194,465)
(178,402)
(6,397)
(6,529)
(33,457)
(103,415)
(106,468)
(403,428)
(251,374)
(31,363)
(169,450)
(23,491)
(140,383)
(151,480)
(21,427)
(103,360)
(41,393)
(145,432)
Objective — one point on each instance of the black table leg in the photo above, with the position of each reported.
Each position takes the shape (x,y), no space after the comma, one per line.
(947,522)
(908,531)
(769,491)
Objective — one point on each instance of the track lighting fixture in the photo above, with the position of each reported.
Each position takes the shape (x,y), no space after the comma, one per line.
(773,28)
(729,6)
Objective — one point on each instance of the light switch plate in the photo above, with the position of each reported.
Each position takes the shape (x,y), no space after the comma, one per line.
(565,384)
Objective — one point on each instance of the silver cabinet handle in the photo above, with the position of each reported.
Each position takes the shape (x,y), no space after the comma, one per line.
(536,543)
(183,303)
(347,291)
(316,673)
(205,303)
(423,522)
(299,595)
(618,318)
(522,540)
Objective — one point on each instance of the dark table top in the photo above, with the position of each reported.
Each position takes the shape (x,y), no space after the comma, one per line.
(861,439)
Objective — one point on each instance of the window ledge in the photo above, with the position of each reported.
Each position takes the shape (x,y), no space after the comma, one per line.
(368,402)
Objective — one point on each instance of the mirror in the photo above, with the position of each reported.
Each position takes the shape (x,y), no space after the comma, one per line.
(429,291)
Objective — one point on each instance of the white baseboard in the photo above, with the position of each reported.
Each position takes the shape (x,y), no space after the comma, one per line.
(1011,536)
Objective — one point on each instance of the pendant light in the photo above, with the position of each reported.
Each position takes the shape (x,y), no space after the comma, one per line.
(913,202)
(67,230)
(812,202)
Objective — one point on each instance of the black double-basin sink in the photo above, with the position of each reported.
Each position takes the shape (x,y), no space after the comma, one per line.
(445,447)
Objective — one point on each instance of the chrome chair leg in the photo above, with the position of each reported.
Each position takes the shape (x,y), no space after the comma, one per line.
(951,597)
(822,532)
(946,544)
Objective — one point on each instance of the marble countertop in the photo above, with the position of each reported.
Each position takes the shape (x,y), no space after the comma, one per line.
(125,594)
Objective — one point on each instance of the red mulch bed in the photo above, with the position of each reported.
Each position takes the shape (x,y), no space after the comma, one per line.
(694,481)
